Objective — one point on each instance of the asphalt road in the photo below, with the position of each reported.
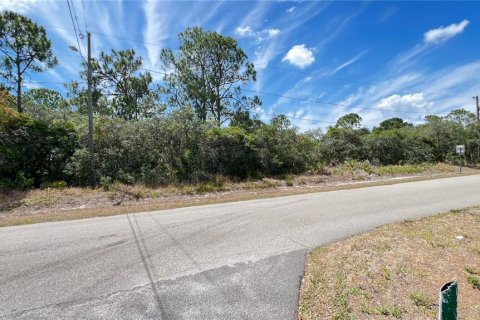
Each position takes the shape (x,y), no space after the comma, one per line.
(240,260)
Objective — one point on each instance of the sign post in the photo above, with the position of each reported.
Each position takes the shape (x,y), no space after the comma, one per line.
(448,301)
(460,149)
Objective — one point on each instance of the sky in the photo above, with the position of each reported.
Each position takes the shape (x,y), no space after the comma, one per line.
(315,61)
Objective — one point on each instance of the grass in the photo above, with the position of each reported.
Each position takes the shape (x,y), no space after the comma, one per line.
(474,281)
(420,299)
(395,271)
(394,311)
(49,204)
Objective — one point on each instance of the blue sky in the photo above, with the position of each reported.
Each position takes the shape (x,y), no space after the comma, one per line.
(378,59)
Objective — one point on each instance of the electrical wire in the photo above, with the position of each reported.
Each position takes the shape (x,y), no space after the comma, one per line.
(82,37)
(84,16)
(75,30)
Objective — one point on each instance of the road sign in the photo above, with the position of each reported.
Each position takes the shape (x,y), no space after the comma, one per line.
(460,148)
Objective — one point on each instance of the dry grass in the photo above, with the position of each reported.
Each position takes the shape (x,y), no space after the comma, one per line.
(42,205)
(396,271)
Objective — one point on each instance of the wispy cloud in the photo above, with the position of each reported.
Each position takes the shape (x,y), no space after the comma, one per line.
(442,34)
(431,39)
(259,36)
(388,13)
(156,28)
(21,6)
(347,63)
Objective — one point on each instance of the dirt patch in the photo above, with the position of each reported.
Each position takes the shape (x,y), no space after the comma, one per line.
(41,205)
(396,271)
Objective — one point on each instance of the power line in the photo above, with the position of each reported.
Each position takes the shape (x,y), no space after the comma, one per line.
(348,80)
(305,119)
(324,102)
(310,100)
(75,29)
(78,25)
(84,16)
(110,36)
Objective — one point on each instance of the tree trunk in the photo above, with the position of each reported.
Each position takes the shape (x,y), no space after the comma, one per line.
(19,88)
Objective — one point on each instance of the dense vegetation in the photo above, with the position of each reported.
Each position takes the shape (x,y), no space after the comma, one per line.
(193,127)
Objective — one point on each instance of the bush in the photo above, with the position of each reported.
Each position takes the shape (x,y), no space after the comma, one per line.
(31,151)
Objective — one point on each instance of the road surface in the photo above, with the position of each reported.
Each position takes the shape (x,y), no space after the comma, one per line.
(240,260)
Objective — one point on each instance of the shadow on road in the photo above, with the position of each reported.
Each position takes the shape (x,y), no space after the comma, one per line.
(158,301)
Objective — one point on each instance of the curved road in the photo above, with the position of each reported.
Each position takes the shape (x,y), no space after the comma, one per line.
(239,260)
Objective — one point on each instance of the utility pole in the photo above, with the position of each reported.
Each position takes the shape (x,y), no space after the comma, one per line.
(478,108)
(90,113)
(90,107)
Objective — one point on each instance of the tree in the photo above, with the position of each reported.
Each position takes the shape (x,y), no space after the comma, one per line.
(392,124)
(207,73)
(349,121)
(461,116)
(46,104)
(133,92)
(24,47)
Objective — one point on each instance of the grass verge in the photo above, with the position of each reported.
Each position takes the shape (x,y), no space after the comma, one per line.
(396,271)
(45,205)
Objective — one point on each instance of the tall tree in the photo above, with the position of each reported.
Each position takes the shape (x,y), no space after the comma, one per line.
(134,94)
(46,104)
(24,46)
(349,121)
(461,116)
(207,73)
(391,124)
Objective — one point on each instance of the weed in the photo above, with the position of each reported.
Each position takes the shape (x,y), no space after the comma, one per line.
(394,311)
(54,185)
(421,300)
(472,270)
(404,169)
(386,273)
(289,180)
(476,248)
(474,281)
(206,188)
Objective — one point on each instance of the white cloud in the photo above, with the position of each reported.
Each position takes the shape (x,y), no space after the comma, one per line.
(291,9)
(21,6)
(273,32)
(246,31)
(441,34)
(259,36)
(157,23)
(300,56)
(409,102)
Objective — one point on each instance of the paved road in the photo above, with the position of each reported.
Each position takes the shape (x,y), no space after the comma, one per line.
(239,260)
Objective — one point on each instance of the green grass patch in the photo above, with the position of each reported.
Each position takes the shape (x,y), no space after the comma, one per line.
(474,281)
(420,299)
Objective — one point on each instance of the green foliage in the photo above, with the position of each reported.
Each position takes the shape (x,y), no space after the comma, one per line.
(474,281)
(24,46)
(289,180)
(392,124)
(198,129)
(46,105)
(420,299)
(32,152)
(208,71)
(349,121)
(134,95)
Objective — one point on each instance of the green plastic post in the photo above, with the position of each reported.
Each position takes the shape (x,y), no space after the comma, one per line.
(448,301)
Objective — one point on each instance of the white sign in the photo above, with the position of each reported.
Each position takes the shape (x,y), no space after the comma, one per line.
(460,149)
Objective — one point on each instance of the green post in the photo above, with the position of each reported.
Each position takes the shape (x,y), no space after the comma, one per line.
(448,301)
